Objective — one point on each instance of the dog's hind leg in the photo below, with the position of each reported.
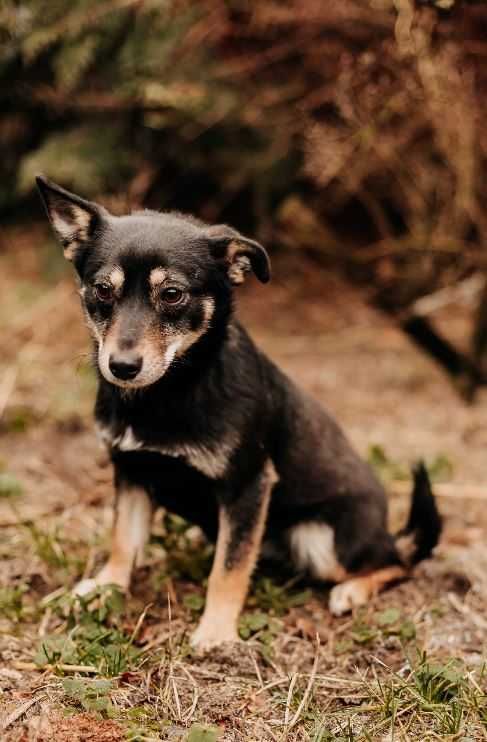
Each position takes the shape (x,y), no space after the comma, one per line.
(357,591)
(240,531)
(312,547)
(133,515)
(394,556)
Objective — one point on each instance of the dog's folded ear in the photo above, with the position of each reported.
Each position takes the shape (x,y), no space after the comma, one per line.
(239,254)
(73,219)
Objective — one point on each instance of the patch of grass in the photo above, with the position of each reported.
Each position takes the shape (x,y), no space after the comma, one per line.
(438,683)
(385,467)
(368,630)
(48,547)
(12,602)
(143,722)
(18,419)
(195,602)
(9,485)
(276,599)
(93,635)
(440,469)
(184,558)
(203,733)
(63,557)
(321,734)
(392,622)
(261,627)
(441,696)
(91,695)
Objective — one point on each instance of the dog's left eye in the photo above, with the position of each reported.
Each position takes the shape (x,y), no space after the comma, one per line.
(172,295)
(104,292)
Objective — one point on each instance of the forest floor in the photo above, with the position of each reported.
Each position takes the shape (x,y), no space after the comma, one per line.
(409,666)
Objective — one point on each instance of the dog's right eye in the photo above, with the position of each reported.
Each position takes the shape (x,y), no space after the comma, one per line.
(104,292)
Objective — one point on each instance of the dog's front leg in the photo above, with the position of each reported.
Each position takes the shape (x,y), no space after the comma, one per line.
(240,530)
(131,529)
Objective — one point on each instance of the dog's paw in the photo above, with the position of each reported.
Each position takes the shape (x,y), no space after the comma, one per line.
(347,596)
(105,577)
(84,587)
(208,637)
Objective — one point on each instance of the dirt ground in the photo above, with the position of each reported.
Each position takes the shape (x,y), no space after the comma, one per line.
(409,666)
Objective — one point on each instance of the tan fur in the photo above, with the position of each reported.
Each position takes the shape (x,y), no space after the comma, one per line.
(357,591)
(74,231)
(238,265)
(130,534)
(228,586)
(116,277)
(157,276)
(158,354)
(211,460)
(70,250)
(184,341)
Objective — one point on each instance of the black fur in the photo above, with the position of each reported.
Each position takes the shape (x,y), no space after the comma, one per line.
(223,394)
(424,522)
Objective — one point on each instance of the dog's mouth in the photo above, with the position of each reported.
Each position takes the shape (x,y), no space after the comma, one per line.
(138,383)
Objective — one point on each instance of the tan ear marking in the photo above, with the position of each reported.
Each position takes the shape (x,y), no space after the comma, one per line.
(239,254)
(72,230)
(238,269)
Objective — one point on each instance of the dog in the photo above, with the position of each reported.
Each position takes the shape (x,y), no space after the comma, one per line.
(198,420)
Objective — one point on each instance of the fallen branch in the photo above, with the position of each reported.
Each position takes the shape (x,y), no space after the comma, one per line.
(463,292)
(441,350)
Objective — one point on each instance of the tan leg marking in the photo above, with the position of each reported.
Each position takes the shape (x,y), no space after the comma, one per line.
(357,591)
(228,586)
(131,531)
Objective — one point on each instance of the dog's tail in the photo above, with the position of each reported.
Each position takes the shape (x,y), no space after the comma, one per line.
(418,539)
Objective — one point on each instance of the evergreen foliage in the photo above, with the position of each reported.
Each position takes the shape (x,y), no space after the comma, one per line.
(351,128)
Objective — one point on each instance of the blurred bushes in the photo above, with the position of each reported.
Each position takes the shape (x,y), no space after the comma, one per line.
(355,129)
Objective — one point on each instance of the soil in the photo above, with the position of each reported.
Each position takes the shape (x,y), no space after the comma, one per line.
(392,402)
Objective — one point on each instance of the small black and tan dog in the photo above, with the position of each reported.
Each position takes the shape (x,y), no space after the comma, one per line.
(198,420)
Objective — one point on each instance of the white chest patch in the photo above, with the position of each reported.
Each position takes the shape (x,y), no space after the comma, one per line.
(127,441)
(210,460)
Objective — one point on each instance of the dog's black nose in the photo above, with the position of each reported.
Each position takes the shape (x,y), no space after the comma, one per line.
(125,366)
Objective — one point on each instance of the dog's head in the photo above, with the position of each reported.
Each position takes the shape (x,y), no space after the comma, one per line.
(151,283)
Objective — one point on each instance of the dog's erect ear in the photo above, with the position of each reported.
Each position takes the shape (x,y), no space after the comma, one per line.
(240,254)
(73,219)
